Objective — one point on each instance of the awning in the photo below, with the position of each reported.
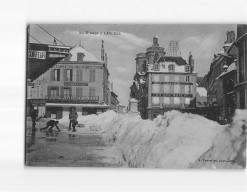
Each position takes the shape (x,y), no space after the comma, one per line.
(78,105)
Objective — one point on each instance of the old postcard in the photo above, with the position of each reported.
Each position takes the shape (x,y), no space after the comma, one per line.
(136,95)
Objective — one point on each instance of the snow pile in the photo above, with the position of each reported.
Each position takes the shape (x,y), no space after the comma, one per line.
(229,147)
(99,121)
(173,140)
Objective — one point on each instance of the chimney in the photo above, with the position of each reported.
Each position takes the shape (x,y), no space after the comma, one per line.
(155,41)
(230,36)
(102,52)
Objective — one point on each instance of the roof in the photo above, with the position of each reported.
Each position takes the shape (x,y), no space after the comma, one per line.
(177,59)
(230,68)
(201,91)
(88,56)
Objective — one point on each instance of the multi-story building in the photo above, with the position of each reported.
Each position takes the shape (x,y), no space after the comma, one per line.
(171,85)
(217,107)
(241,85)
(161,82)
(79,81)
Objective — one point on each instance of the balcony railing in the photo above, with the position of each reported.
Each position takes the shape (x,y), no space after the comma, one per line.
(72,99)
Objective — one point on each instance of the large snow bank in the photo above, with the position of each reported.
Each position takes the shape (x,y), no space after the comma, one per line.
(229,147)
(173,140)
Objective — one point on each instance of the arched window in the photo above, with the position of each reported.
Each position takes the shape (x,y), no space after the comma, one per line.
(171,67)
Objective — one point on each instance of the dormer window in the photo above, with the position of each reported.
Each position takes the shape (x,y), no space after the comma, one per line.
(187,68)
(80,56)
(171,67)
(156,67)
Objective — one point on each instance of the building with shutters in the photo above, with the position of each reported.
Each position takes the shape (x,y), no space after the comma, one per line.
(79,81)
(163,81)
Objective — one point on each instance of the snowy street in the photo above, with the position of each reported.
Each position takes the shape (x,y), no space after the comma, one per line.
(69,149)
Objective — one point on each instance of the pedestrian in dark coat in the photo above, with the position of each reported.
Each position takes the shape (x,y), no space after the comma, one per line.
(34,115)
(73,119)
(51,123)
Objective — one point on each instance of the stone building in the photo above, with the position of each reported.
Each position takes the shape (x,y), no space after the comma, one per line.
(79,81)
(241,84)
(162,82)
(213,80)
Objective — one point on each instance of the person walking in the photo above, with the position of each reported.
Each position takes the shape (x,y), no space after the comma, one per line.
(34,115)
(73,119)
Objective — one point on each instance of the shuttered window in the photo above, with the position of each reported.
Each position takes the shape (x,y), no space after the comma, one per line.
(91,91)
(79,74)
(67,75)
(78,91)
(91,75)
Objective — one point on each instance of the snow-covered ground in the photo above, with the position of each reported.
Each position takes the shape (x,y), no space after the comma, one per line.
(173,140)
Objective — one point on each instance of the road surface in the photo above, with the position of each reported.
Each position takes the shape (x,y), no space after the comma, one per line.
(68,149)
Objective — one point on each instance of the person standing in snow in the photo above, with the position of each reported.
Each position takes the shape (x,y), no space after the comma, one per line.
(73,119)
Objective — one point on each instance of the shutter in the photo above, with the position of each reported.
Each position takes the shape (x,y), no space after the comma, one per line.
(93,92)
(71,75)
(90,91)
(62,92)
(90,75)
(77,75)
(57,91)
(58,74)
(52,74)
(94,75)
(79,92)
(70,91)
(81,73)
(49,91)
(65,75)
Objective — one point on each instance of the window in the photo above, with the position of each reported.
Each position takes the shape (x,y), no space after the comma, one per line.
(166,100)
(92,91)
(187,101)
(166,88)
(187,78)
(171,67)
(80,56)
(155,100)
(37,91)
(156,77)
(167,78)
(79,74)
(66,92)
(156,67)
(176,88)
(54,92)
(91,75)
(176,100)
(56,75)
(78,91)
(67,74)
(155,88)
(187,68)
(186,89)
(176,78)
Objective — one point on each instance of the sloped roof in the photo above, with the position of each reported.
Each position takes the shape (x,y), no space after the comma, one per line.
(177,59)
(88,56)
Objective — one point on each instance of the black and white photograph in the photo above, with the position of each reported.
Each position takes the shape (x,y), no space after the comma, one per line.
(170,96)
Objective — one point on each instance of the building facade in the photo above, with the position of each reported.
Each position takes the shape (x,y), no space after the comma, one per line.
(163,82)
(241,84)
(215,82)
(171,85)
(79,81)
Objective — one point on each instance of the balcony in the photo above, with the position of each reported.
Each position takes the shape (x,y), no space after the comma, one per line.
(73,99)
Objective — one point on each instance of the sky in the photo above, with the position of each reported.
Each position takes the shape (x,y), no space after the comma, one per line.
(202,40)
